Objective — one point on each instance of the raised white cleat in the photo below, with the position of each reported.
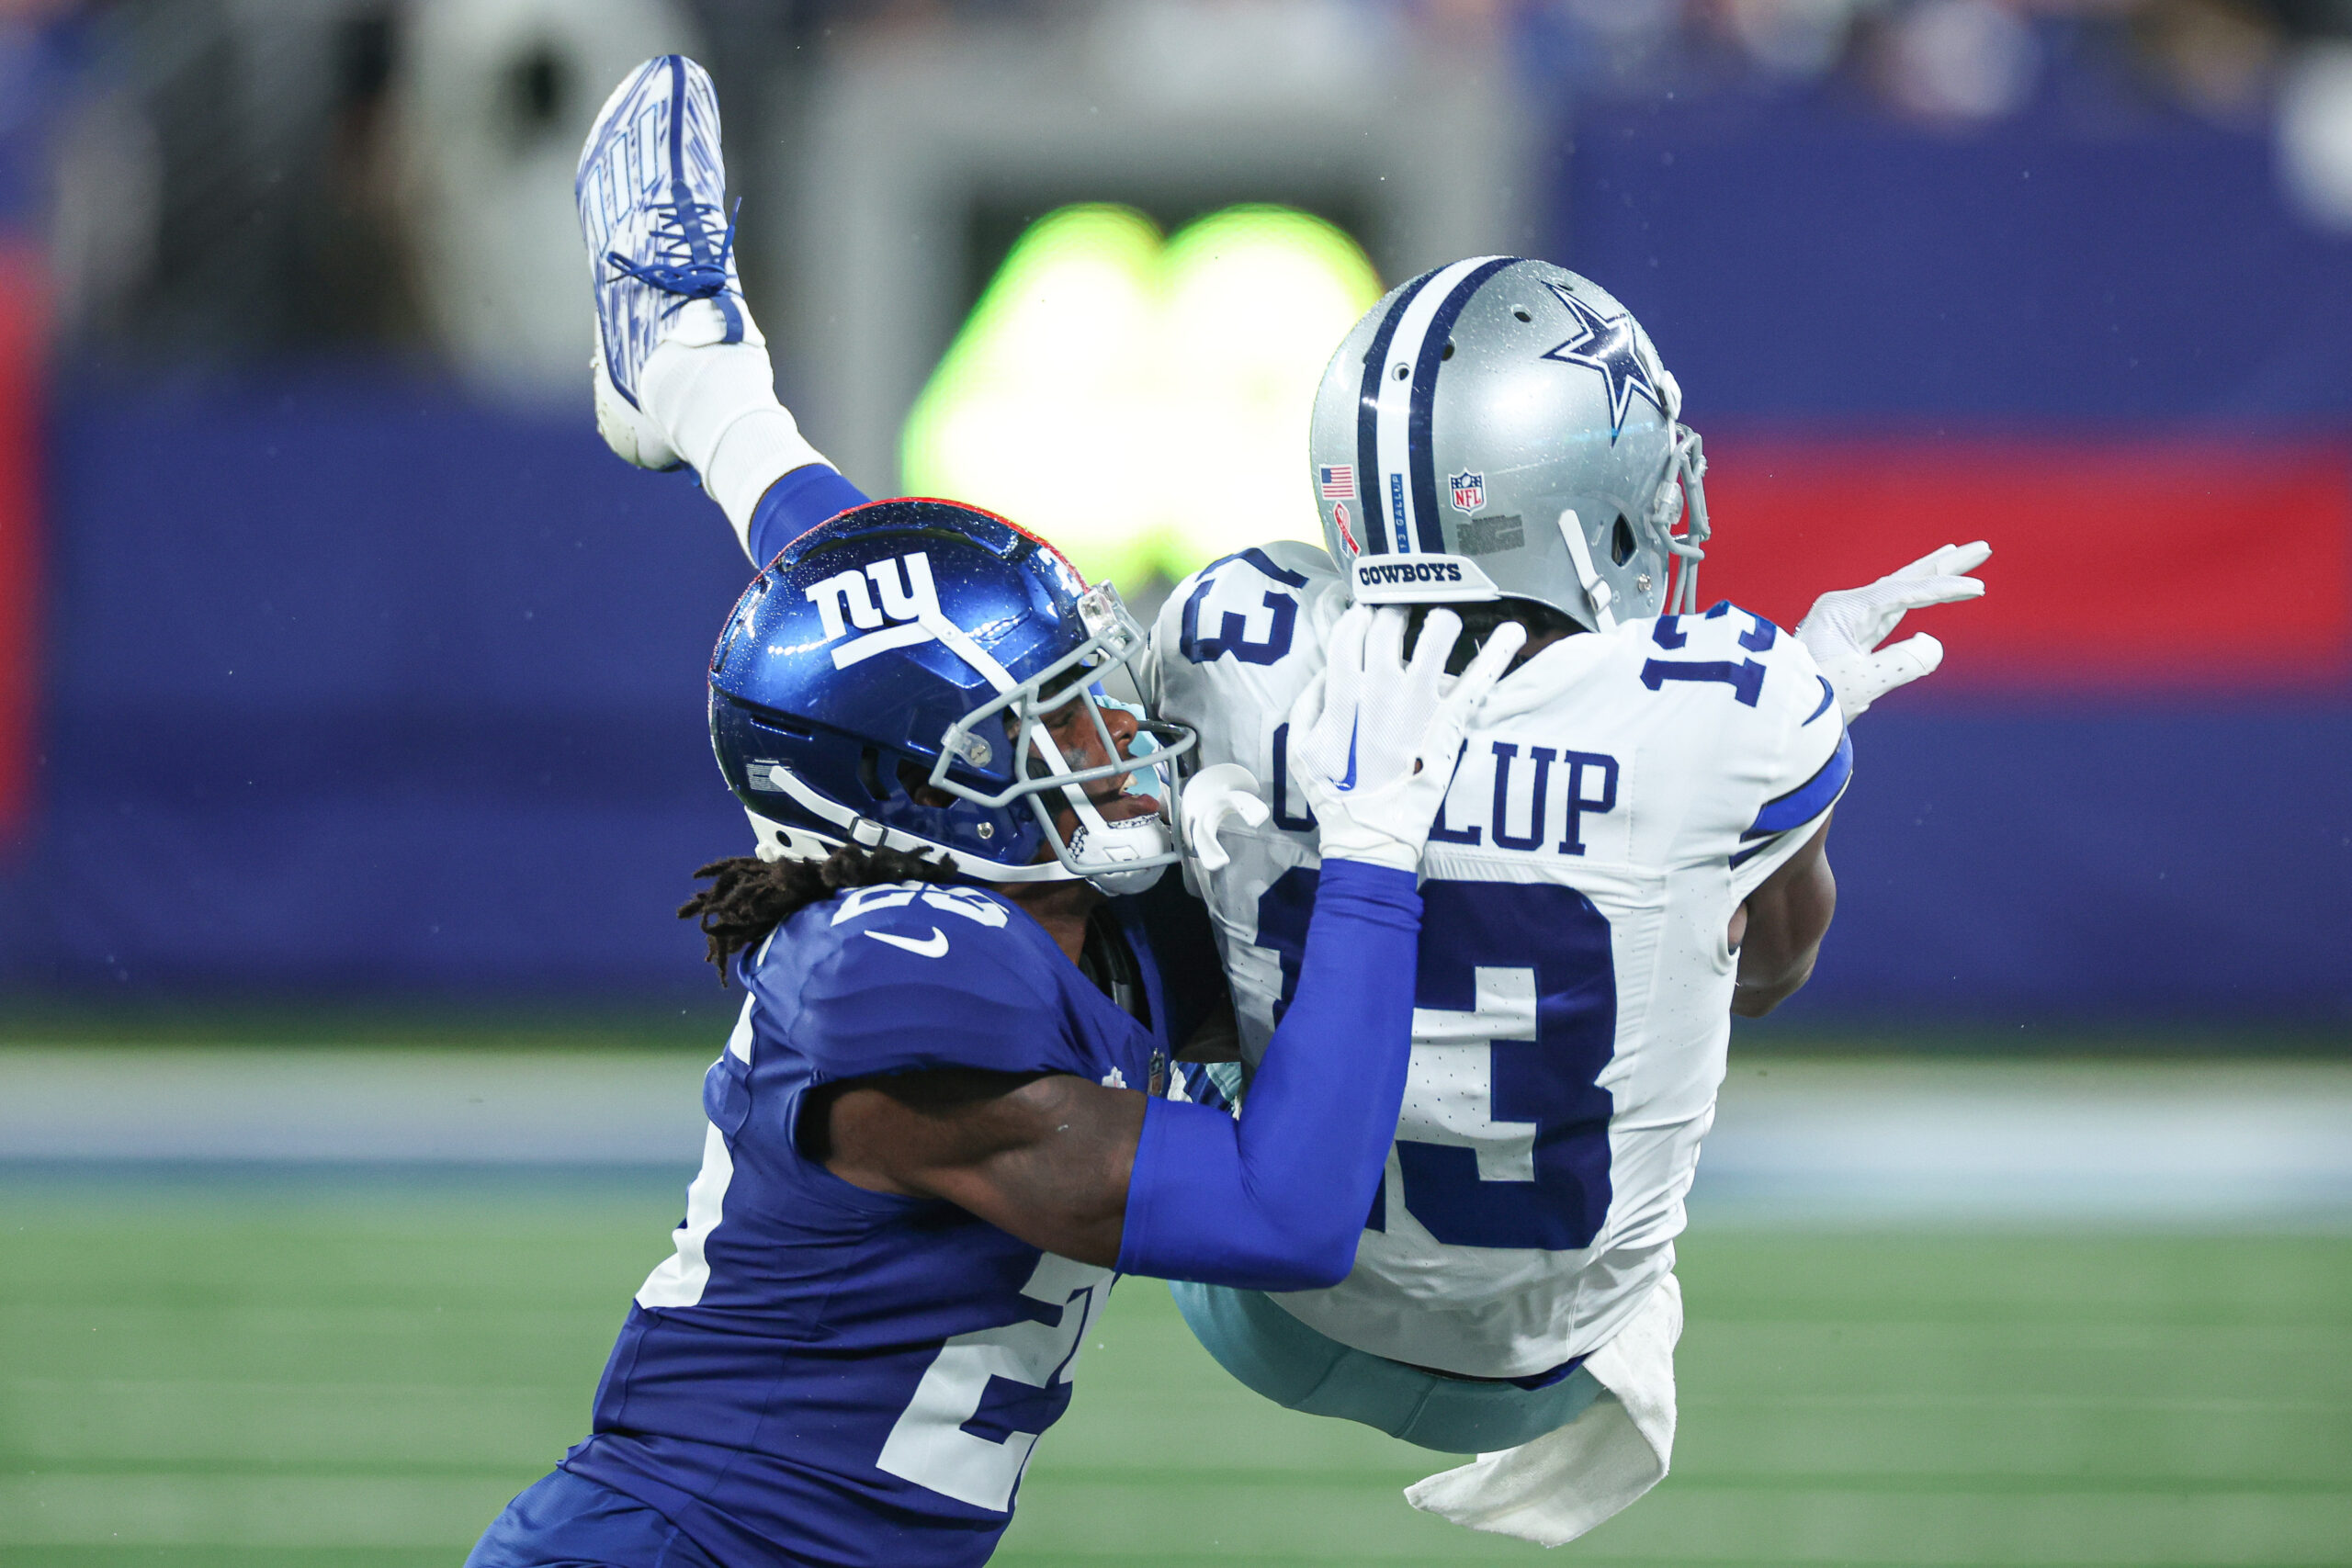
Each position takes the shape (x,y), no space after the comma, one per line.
(651,192)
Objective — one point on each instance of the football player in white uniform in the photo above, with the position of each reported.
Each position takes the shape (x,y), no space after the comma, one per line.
(1631,849)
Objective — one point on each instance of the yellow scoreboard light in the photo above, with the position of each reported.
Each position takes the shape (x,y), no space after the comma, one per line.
(1142,402)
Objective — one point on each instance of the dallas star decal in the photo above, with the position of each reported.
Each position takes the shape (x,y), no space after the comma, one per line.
(1606,344)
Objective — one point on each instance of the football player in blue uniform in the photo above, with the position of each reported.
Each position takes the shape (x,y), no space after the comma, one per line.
(927,1153)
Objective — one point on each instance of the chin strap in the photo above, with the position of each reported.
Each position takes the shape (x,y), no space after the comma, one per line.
(1130,838)
(1597,592)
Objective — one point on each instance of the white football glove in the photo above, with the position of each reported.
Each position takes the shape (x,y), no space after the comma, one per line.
(1843,628)
(1213,798)
(1374,739)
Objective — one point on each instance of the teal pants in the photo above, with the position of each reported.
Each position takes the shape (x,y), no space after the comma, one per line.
(1267,1349)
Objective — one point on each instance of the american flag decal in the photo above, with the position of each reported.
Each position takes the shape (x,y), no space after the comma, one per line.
(1336,484)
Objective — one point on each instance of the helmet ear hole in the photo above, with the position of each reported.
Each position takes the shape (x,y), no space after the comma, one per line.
(919,787)
(869,773)
(1621,541)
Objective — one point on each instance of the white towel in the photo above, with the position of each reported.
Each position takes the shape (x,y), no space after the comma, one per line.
(1562,1484)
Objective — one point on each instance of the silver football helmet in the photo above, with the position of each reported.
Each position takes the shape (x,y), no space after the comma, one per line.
(1502,428)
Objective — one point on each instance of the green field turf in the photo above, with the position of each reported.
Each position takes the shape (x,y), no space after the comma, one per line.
(356,1376)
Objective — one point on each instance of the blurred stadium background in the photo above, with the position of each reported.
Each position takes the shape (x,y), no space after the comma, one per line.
(351,748)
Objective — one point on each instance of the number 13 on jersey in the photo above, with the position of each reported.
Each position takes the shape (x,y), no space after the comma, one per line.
(1504,1138)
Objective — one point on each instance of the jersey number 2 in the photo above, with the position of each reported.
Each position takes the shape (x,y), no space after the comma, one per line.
(931,1443)
(1504,1138)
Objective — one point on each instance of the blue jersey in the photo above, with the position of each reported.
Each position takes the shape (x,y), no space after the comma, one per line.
(823,1374)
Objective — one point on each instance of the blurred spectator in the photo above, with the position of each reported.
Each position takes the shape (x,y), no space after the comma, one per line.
(2315,131)
(495,97)
(1952,62)
(1793,38)
(1956,60)
(220,189)
(227,178)
(2217,56)
(40,52)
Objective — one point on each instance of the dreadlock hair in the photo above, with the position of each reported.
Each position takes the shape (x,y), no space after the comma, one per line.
(749,898)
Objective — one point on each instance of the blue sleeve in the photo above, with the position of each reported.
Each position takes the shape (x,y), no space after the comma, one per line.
(907,991)
(1276,1201)
(796,503)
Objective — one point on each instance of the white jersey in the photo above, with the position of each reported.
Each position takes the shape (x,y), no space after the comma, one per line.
(1619,795)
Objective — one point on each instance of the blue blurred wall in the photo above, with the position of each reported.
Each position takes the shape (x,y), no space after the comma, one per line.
(2092,264)
(356,689)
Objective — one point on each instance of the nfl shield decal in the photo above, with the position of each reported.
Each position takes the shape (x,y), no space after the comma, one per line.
(1469,491)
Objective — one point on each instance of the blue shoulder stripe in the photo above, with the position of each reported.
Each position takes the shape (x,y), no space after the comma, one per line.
(1265,563)
(1809,799)
(1829,695)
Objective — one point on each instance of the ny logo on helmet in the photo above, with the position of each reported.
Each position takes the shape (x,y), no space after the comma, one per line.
(902,592)
(1469,489)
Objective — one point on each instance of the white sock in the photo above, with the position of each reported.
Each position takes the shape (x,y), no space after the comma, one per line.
(716,407)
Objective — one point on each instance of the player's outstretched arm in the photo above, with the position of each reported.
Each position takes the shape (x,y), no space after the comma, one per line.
(1114,1178)
(1276,1200)
(1777,932)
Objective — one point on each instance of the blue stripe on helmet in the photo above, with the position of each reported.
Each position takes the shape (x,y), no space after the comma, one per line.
(1420,448)
(1375,360)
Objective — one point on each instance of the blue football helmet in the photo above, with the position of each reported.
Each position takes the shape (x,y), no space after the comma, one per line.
(919,643)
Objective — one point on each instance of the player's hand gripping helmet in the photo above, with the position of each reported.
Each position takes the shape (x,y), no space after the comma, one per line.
(1503,428)
(896,678)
